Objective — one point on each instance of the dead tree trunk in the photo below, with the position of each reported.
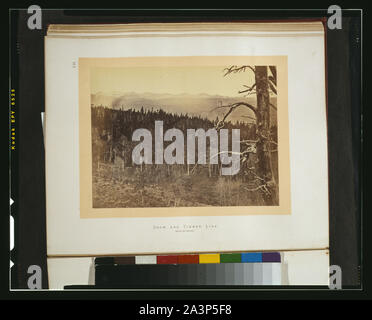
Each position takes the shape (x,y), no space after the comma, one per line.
(263,135)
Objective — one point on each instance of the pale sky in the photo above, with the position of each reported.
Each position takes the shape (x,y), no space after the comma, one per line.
(173,80)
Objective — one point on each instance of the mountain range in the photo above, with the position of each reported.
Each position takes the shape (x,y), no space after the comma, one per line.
(203,104)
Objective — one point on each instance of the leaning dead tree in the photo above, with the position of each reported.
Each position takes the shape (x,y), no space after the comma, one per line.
(264,85)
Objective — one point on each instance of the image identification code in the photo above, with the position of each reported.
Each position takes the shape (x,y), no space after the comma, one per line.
(207,309)
(200,309)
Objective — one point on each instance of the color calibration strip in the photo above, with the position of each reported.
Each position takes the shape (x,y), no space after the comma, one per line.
(248,257)
(184,275)
(166,271)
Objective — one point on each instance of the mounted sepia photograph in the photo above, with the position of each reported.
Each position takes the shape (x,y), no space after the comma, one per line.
(180,133)
(183,138)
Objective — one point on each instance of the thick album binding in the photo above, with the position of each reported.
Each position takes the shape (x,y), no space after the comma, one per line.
(176,138)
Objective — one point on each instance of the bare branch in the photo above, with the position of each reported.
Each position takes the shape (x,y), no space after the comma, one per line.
(238,104)
(267,139)
(236,69)
(231,108)
(249,89)
(219,125)
(248,141)
(272,88)
(261,187)
(249,117)
(250,93)
(273,80)
(273,71)
(228,152)
(255,174)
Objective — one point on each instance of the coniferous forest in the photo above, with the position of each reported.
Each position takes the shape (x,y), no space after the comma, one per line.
(120,183)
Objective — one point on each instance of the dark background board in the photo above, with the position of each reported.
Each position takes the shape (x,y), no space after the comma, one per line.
(344,108)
